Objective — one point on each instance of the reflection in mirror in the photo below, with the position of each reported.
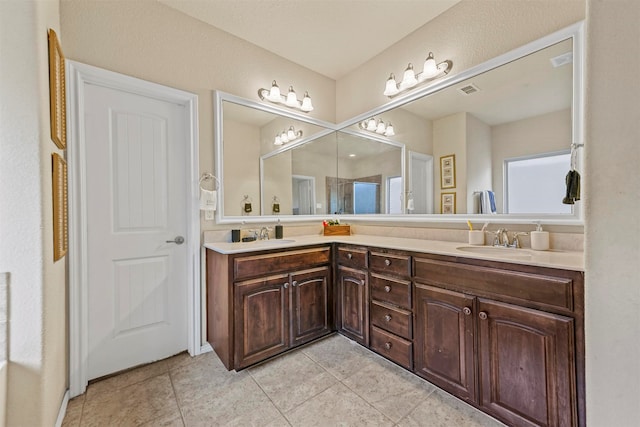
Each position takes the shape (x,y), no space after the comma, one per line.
(517,114)
(296,177)
(250,133)
(370,176)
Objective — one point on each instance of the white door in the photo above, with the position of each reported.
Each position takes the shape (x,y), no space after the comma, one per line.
(304,194)
(136,181)
(421,182)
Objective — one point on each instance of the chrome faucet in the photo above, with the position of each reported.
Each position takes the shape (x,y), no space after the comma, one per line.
(501,237)
(264,233)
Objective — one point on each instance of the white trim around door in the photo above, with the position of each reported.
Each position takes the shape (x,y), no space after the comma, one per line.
(78,76)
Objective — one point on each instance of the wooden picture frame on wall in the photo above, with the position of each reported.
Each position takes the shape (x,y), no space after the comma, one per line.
(448,171)
(447,203)
(57,92)
(60,212)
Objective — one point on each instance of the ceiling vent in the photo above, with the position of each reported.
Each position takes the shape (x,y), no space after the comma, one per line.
(560,60)
(469,89)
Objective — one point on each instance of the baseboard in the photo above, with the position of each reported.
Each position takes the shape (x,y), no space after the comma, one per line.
(63,408)
(205,348)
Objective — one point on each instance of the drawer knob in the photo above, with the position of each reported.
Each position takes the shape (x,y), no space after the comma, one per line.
(286,285)
(387,345)
(349,256)
(483,315)
(294,283)
(387,262)
(387,318)
(387,288)
(466,311)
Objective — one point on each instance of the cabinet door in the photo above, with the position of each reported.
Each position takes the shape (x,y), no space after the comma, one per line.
(261,319)
(353,304)
(444,337)
(526,365)
(309,310)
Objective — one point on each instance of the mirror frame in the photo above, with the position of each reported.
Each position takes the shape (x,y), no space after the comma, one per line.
(574,32)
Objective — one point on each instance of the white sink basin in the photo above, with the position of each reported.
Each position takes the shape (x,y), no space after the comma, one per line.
(509,253)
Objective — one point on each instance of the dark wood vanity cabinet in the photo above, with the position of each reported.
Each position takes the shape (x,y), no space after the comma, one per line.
(261,305)
(505,340)
(352,294)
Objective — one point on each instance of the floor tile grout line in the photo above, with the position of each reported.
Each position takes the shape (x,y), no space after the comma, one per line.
(269,397)
(175,396)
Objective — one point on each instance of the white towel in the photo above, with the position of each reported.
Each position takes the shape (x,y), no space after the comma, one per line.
(208,200)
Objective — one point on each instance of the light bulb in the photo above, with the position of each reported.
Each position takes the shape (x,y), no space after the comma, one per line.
(292,99)
(389,131)
(306,103)
(409,78)
(278,141)
(392,87)
(371,124)
(380,128)
(274,93)
(291,134)
(430,67)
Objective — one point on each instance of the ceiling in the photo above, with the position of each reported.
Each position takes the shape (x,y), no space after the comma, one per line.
(331,37)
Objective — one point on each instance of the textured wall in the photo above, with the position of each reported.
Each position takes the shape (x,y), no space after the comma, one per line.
(37,306)
(612,226)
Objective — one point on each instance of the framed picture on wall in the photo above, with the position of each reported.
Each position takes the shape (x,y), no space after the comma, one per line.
(448,203)
(448,171)
(57,93)
(60,213)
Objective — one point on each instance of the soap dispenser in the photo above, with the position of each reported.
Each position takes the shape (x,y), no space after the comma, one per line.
(539,239)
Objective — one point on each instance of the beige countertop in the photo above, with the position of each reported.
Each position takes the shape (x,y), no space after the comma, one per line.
(567,260)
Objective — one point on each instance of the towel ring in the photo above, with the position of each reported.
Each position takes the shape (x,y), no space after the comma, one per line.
(207,177)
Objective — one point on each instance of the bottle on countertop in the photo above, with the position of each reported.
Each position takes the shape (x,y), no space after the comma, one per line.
(539,239)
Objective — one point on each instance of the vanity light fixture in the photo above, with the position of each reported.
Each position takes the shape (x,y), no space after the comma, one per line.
(287,136)
(291,100)
(410,79)
(378,127)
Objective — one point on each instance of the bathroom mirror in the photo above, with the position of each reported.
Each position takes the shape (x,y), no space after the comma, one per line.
(455,140)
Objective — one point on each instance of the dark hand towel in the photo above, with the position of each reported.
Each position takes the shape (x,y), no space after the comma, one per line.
(573,187)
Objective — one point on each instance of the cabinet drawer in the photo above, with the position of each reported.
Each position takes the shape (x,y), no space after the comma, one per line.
(392,347)
(352,257)
(391,319)
(394,291)
(528,288)
(259,265)
(395,264)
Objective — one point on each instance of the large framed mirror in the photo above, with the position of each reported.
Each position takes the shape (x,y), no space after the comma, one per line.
(490,143)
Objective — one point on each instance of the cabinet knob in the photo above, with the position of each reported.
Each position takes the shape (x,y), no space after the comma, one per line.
(387,262)
(286,285)
(362,282)
(466,311)
(387,318)
(349,255)
(294,283)
(483,315)
(387,288)
(387,345)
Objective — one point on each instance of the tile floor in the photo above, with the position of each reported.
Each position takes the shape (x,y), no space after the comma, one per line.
(332,382)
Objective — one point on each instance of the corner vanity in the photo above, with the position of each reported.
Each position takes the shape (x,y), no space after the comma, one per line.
(501,329)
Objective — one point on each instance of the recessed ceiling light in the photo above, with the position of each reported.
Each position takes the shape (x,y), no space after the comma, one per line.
(352,155)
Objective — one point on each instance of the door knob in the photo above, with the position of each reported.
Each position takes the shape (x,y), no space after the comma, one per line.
(178,240)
